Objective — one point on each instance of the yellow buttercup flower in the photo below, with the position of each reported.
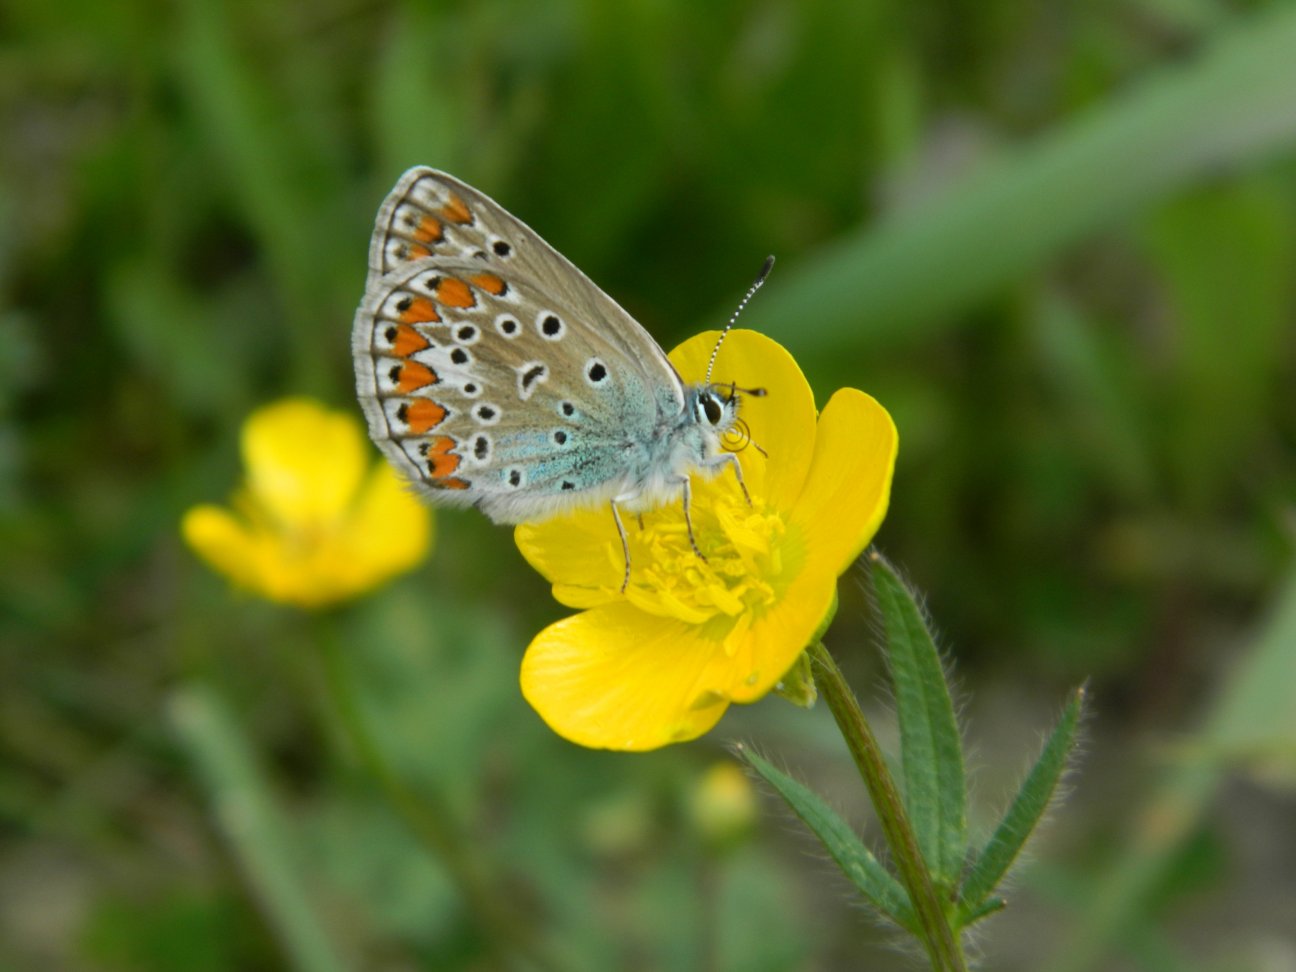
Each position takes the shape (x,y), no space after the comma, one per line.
(661,662)
(315,522)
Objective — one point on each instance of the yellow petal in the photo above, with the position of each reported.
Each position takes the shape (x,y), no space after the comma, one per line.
(782,422)
(389,530)
(304,462)
(579,553)
(225,543)
(260,560)
(849,485)
(616,678)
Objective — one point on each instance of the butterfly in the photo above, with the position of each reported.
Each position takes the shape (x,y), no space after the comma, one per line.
(493,373)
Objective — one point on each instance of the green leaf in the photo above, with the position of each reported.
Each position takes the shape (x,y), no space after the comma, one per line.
(988,907)
(1254,721)
(1029,805)
(856,861)
(798,685)
(931,750)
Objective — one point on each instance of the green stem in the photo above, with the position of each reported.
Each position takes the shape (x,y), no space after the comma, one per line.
(427,818)
(943,947)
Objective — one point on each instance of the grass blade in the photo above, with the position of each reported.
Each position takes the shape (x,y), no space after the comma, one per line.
(1253,716)
(258,835)
(1184,124)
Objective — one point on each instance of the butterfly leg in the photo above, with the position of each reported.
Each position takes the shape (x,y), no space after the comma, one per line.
(625,545)
(731,459)
(688,518)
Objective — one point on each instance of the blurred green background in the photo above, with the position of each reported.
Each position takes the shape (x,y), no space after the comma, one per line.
(1057,241)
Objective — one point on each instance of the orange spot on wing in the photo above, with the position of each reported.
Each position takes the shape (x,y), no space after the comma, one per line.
(429,230)
(441,462)
(416,251)
(413,376)
(419,311)
(453,292)
(423,415)
(456,211)
(489,283)
(407,341)
(453,483)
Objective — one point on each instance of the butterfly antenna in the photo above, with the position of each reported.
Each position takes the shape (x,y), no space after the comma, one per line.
(756,285)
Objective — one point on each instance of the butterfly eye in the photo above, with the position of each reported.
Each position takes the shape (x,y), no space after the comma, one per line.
(711,409)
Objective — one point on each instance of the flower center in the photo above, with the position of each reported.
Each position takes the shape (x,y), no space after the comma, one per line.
(743,566)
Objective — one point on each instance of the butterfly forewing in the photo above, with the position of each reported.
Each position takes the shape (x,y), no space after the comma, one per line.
(489,388)
(430,215)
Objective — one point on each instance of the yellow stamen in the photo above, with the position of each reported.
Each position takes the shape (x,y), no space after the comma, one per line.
(740,573)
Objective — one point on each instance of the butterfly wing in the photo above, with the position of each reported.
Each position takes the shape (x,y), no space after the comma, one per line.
(491,370)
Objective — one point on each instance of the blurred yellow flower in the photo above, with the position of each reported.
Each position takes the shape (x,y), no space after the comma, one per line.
(315,522)
(723,804)
(661,662)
